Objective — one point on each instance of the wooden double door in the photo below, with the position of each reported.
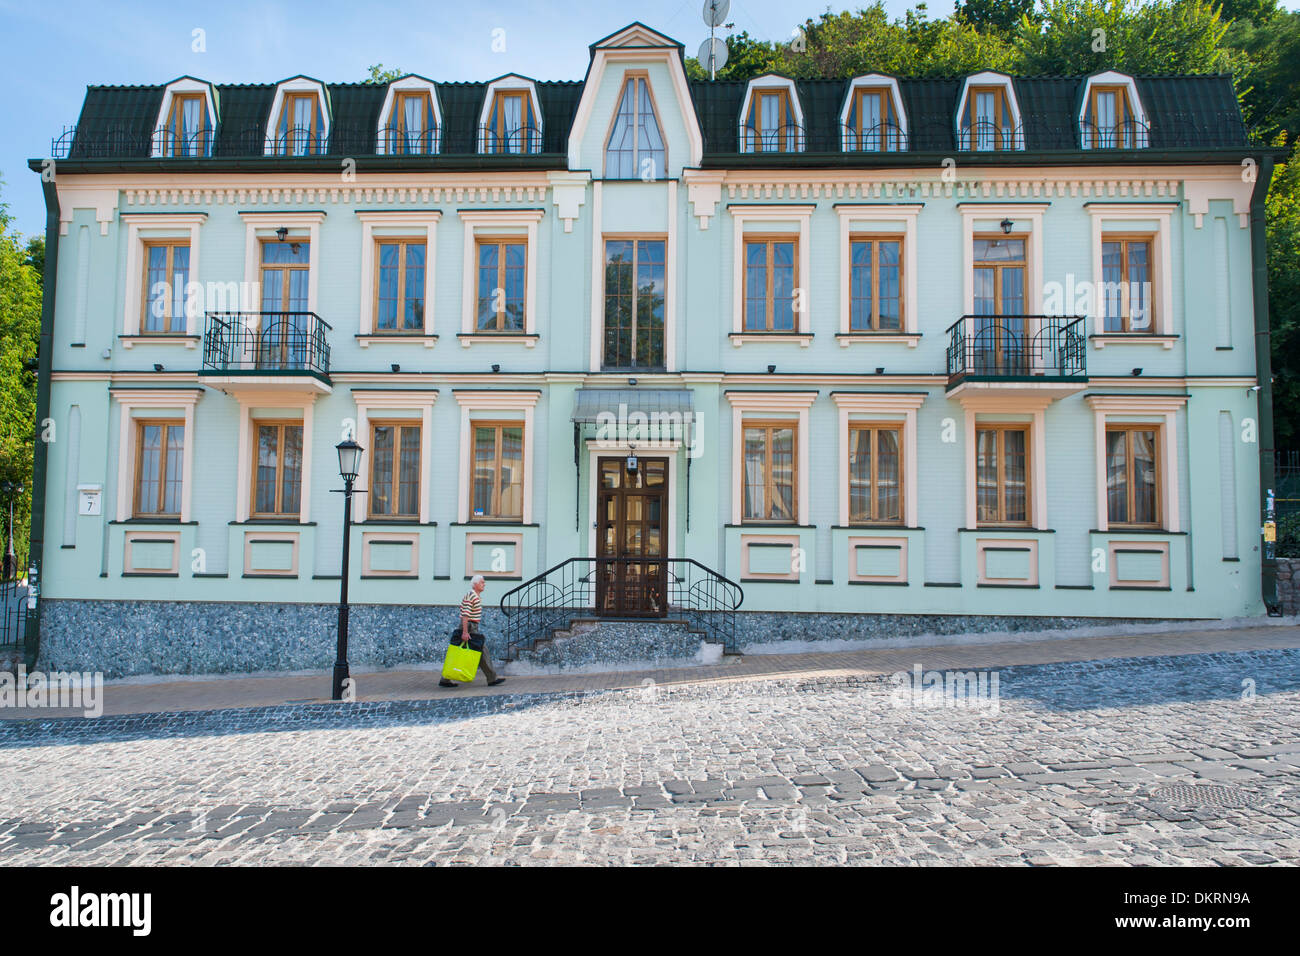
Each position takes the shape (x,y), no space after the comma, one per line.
(632,538)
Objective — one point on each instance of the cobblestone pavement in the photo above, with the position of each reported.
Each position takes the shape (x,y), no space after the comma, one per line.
(1071,764)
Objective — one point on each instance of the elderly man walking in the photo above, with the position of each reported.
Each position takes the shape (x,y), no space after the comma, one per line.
(471,615)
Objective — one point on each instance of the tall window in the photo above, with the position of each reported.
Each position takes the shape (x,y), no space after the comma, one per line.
(277,481)
(875,284)
(498,471)
(300,128)
(636,147)
(395,471)
(1109,121)
(769,473)
(411,126)
(399,289)
(1002,474)
(511,127)
(502,267)
(999,326)
(770,124)
(1126,283)
(987,122)
(875,474)
(873,124)
(166,274)
(770,280)
(1132,475)
(282,338)
(634,303)
(188,131)
(159,452)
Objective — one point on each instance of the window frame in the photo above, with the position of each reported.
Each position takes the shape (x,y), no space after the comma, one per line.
(892,127)
(481,240)
(997,268)
(874,427)
(280,424)
(769,484)
(397,122)
(1157,460)
(494,515)
(167,424)
(1000,428)
(400,425)
(1126,317)
(401,242)
(1004,124)
(785,110)
(169,320)
(875,239)
(174,119)
(636,240)
(769,239)
(497,118)
(642,76)
(314,147)
(1123,112)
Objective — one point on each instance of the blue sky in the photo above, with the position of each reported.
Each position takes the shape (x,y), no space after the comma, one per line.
(54,50)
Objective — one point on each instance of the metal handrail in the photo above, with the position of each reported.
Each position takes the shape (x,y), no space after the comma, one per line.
(299,141)
(883,137)
(167,143)
(784,139)
(1127,134)
(396,141)
(266,342)
(1002,137)
(694,594)
(523,140)
(1011,346)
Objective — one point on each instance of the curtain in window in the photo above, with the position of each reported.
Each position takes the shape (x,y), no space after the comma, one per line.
(887,475)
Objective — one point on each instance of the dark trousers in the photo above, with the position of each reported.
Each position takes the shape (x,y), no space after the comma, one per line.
(485,662)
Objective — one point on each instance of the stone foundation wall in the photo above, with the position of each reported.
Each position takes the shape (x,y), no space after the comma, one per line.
(1288,585)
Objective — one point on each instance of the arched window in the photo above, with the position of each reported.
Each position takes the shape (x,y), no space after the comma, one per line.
(771,117)
(409,121)
(300,121)
(988,116)
(636,146)
(1111,116)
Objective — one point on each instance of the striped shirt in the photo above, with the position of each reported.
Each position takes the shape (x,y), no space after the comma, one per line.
(471,608)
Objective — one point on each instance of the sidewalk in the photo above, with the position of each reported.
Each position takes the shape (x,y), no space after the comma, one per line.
(422,683)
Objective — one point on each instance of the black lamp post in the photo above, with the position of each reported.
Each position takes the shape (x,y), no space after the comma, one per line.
(349,463)
(10,490)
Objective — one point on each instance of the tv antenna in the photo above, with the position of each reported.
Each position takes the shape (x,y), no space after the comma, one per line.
(713,50)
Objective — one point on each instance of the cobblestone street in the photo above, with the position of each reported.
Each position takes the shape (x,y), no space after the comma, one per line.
(1071,766)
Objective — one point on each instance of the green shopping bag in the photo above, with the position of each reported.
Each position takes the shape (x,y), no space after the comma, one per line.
(461,662)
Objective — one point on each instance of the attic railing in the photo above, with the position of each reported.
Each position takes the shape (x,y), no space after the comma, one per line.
(1128,134)
(884,137)
(985,136)
(395,141)
(523,140)
(783,139)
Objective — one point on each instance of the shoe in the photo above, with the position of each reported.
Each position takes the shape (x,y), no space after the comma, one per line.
(499,680)
(447,683)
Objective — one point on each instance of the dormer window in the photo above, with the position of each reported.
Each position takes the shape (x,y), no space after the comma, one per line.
(772,119)
(409,124)
(185,120)
(300,121)
(872,119)
(510,122)
(989,117)
(636,147)
(1112,116)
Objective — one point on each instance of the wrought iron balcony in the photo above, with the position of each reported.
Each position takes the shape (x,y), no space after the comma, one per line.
(885,137)
(242,343)
(783,139)
(524,140)
(1012,347)
(1129,134)
(986,136)
(395,141)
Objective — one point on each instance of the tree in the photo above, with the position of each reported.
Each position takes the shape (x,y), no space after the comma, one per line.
(994,15)
(1283,211)
(379,75)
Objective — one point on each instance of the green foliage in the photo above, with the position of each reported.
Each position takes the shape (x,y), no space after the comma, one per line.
(994,15)
(1271,78)
(1288,536)
(379,75)
(1283,205)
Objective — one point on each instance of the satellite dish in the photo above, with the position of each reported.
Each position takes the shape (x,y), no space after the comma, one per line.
(715,12)
(715,50)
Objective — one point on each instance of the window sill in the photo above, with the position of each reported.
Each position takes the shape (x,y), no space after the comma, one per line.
(910,339)
(161,338)
(1132,338)
(499,338)
(394,338)
(741,338)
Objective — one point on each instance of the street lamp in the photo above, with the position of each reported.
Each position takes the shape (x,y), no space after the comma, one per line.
(10,490)
(349,463)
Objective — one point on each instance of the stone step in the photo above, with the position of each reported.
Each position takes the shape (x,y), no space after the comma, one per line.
(606,643)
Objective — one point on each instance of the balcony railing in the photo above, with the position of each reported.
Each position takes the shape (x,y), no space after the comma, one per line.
(395,141)
(880,138)
(299,141)
(783,139)
(1017,346)
(524,140)
(241,342)
(990,137)
(1129,134)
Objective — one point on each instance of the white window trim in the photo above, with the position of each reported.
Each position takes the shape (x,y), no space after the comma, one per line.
(141,227)
(598,449)
(511,81)
(477,223)
(248,400)
(262,225)
(973,213)
(876,407)
(415,222)
(407,84)
(368,404)
(1160,411)
(770,81)
(185,84)
(1111,78)
(871,81)
(1010,409)
(989,78)
(770,406)
(163,400)
(740,216)
(904,217)
(297,84)
(479,406)
(1162,311)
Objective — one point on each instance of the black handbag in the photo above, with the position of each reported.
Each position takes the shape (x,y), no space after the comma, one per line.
(476,641)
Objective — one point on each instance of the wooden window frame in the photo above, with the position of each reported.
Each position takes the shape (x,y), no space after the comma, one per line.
(636,241)
(174,119)
(167,424)
(887,117)
(786,109)
(169,320)
(999,455)
(1157,451)
(769,482)
(874,427)
(997,267)
(1123,113)
(280,424)
(494,516)
(497,119)
(1003,117)
(489,240)
(875,239)
(263,265)
(286,113)
(1126,305)
(769,295)
(400,425)
(402,242)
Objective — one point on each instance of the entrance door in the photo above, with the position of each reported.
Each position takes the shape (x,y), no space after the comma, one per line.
(631,533)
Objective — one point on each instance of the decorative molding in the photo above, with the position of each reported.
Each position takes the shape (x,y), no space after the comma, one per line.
(880,406)
(414,222)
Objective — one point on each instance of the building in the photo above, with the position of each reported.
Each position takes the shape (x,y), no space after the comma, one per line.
(886,354)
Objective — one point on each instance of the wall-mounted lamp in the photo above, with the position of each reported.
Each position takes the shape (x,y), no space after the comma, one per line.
(632,463)
(771,369)
(395,367)
(1006,225)
(157,366)
(1137,372)
(631,381)
(496,368)
(282,233)
(880,370)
